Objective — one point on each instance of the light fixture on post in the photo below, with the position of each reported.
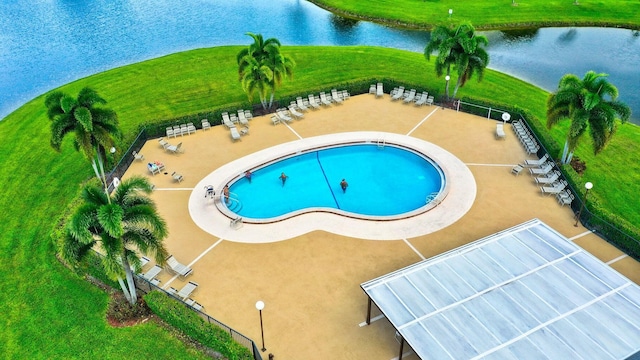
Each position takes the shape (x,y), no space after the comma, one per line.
(506,117)
(113,150)
(446,88)
(260,306)
(588,186)
(450,13)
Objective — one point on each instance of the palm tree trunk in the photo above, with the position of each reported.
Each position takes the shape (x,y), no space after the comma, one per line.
(455,90)
(99,171)
(569,157)
(126,293)
(133,296)
(271,99)
(565,152)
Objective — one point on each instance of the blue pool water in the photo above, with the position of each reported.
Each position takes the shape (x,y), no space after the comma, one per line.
(383,181)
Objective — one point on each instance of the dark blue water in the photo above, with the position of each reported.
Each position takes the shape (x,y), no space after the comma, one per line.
(381,182)
(46,44)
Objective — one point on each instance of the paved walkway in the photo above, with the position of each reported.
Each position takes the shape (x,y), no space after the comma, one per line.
(310,283)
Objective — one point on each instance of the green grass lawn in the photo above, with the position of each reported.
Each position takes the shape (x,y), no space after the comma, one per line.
(48,312)
(489,14)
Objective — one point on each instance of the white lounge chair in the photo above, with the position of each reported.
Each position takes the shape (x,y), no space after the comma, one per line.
(548,179)
(155,168)
(537,162)
(137,156)
(398,94)
(516,170)
(226,121)
(174,148)
(144,261)
(184,129)
(205,124)
(194,304)
(302,104)
(177,268)
(235,135)
(293,111)
(242,118)
(372,89)
(565,197)
(283,115)
(275,120)
(314,102)
(410,96)
(152,273)
(169,132)
(500,131)
(324,99)
(191,129)
(555,189)
(187,290)
(163,143)
(336,97)
(177,177)
(379,90)
(543,170)
(430,100)
(422,99)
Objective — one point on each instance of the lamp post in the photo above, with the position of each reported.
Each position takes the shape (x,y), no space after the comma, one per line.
(506,117)
(588,187)
(260,306)
(450,13)
(446,88)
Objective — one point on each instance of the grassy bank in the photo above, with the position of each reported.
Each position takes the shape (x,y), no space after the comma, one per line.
(486,14)
(51,313)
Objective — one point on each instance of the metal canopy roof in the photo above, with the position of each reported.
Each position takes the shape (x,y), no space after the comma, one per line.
(523,293)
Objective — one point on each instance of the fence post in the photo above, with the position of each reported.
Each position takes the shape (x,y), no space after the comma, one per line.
(489,113)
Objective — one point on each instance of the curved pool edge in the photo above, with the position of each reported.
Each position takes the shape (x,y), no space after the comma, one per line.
(460,195)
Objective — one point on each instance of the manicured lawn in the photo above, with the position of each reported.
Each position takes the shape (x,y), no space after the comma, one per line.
(487,14)
(50,313)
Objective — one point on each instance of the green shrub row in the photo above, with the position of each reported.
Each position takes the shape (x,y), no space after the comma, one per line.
(191,324)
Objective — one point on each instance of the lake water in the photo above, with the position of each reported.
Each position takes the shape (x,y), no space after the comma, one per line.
(46,44)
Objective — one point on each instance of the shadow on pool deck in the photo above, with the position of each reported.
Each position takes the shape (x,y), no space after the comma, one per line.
(311,283)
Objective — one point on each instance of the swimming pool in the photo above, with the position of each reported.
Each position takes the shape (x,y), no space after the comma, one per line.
(383,181)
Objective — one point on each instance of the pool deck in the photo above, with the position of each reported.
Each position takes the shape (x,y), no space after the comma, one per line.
(310,283)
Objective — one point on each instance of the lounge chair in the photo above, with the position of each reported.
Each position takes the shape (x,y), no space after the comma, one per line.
(191,129)
(537,162)
(324,99)
(565,197)
(177,268)
(163,143)
(187,290)
(302,104)
(336,97)
(430,100)
(293,111)
(372,89)
(275,120)
(174,148)
(422,99)
(184,129)
(205,124)
(345,94)
(548,179)
(235,135)
(244,130)
(500,131)
(172,291)
(242,118)
(283,115)
(137,156)
(543,170)
(314,102)
(177,130)
(248,115)
(555,189)
(169,132)
(410,96)
(194,304)
(152,273)
(379,90)
(177,177)
(155,167)
(516,170)
(398,94)
(227,121)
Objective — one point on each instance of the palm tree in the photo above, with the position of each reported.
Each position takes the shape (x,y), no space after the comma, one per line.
(460,48)
(253,63)
(119,224)
(591,105)
(95,128)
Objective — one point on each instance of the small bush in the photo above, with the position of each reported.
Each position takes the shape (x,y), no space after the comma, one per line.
(191,324)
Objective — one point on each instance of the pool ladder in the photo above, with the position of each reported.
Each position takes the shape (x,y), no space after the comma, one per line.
(381,143)
(433,197)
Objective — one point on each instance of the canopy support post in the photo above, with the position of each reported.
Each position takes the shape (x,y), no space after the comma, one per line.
(369,311)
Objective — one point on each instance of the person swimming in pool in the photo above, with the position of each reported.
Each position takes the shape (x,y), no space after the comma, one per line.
(283,177)
(344,185)
(225,191)
(248,174)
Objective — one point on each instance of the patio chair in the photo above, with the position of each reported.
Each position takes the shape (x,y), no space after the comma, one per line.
(537,162)
(152,273)
(410,96)
(137,156)
(234,119)
(177,177)
(194,304)
(175,148)
(543,170)
(275,120)
(565,197)
(283,115)
(294,111)
(336,96)
(163,143)
(227,121)
(205,124)
(244,130)
(345,94)
(398,94)
(177,268)
(187,290)
(548,179)
(430,100)
(379,89)
(169,132)
(177,130)
(184,129)
(191,129)
(235,135)
(324,99)
(248,115)
(242,119)
(314,102)
(172,291)
(372,89)
(516,170)
(302,104)
(144,261)
(555,189)
(500,131)
(154,168)
(422,99)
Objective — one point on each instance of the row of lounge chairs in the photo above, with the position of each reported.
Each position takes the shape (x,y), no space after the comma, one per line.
(526,138)
(231,121)
(184,129)
(376,89)
(550,180)
(399,93)
(175,267)
(297,108)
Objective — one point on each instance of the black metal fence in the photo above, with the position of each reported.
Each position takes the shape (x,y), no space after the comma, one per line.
(145,286)
(611,233)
